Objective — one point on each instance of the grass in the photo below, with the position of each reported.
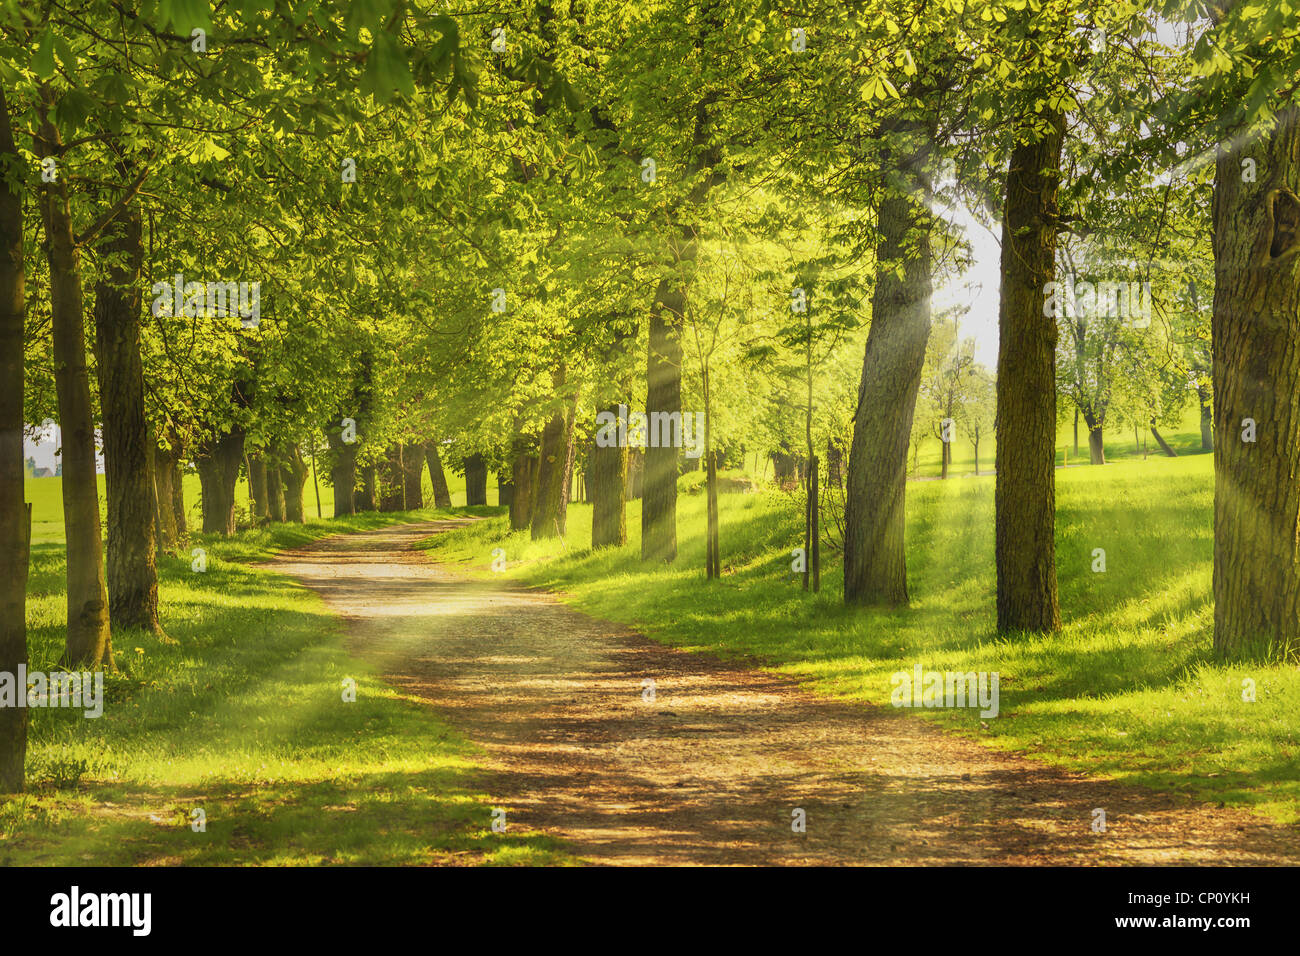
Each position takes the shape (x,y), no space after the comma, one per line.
(1128,689)
(243,717)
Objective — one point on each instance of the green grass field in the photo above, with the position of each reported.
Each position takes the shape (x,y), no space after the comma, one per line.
(1129,688)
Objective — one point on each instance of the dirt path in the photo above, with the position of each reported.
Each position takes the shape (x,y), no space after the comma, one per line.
(711,771)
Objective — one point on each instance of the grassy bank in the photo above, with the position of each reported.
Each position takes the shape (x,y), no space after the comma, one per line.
(243,717)
(1129,688)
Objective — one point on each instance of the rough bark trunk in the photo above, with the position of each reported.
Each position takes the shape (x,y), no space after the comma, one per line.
(437,477)
(366,498)
(88,639)
(1096,444)
(550,479)
(1255,332)
(1025,491)
(343,469)
(15,521)
(128,472)
(218,464)
(475,480)
(391,492)
(875,567)
(521,505)
(412,470)
(256,466)
(606,477)
(663,394)
(505,489)
(163,475)
(274,489)
(293,476)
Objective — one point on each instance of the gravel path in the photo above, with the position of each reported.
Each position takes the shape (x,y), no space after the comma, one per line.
(711,771)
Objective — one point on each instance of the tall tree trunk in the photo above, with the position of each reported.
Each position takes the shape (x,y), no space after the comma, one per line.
(274,488)
(218,464)
(663,395)
(1207,418)
(875,567)
(412,470)
(1255,332)
(1096,446)
(570,444)
(835,462)
(550,478)
(475,480)
(607,472)
(521,504)
(257,487)
(15,519)
(391,492)
(366,497)
(1025,491)
(437,477)
(128,472)
(293,477)
(163,475)
(343,469)
(89,643)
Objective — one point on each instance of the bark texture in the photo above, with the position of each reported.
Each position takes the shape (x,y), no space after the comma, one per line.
(1255,332)
(1025,492)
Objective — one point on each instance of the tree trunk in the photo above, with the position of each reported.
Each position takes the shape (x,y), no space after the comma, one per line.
(164,475)
(835,463)
(15,518)
(412,471)
(218,464)
(343,469)
(1164,445)
(635,473)
(521,504)
(128,472)
(293,477)
(663,394)
(505,489)
(475,480)
(570,442)
(366,498)
(391,492)
(1096,446)
(1025,491)
(1255,332)
(89,643)
(606,476)
(437,477)
(1076,434)
(274,488)
(256,466)
(875,567)
(945,457)
(550,479)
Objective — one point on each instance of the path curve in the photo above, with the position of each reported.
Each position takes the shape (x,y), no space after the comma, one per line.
(710,772)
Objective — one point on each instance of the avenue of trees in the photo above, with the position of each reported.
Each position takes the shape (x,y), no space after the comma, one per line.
(266,238)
